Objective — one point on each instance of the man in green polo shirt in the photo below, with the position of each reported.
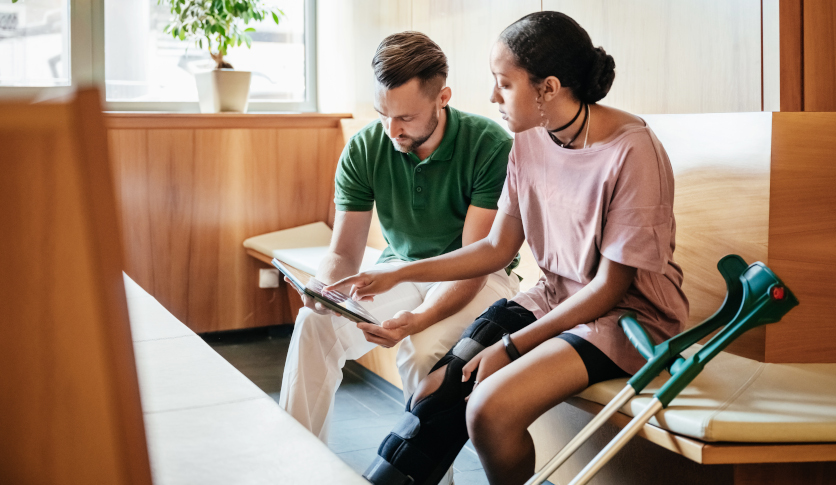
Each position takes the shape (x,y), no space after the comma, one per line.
(435,175)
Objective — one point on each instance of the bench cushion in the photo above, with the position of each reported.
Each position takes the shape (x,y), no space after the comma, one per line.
(205,422)
(302,247)
(742,400)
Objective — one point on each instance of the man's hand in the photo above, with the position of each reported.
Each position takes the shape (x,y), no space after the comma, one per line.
(309,302)
(364,286)
(486,362)
(392,331)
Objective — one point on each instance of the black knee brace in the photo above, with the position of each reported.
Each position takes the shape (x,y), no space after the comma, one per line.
(430,434)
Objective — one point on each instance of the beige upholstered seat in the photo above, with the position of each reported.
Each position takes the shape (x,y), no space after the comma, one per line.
(302,247)
(742,400)
(206,422)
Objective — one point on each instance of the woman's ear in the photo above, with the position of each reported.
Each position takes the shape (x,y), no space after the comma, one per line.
(550,87)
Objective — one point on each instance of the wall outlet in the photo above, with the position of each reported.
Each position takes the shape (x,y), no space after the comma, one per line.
(268,278)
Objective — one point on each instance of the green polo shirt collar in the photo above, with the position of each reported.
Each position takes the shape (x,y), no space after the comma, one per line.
(448,142)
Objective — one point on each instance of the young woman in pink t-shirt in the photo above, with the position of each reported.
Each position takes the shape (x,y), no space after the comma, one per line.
(590,189)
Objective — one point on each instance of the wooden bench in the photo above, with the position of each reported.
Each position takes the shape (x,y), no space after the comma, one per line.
(206,422)
(738,180)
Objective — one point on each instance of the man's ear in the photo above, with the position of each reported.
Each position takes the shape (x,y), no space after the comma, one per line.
(550,87)
(444,96)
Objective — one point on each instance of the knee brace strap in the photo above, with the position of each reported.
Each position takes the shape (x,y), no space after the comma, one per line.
(429,435)
(467,348)
(408,426)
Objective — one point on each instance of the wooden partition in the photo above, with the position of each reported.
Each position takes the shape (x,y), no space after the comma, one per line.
(802,235)
(192,187)
(69,399)
(808,55)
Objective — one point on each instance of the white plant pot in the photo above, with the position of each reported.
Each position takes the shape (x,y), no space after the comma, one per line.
(223,90)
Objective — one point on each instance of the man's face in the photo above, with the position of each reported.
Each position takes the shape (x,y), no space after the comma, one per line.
(409,115)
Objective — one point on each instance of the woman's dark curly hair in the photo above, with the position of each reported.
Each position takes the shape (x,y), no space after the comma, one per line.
(552,44)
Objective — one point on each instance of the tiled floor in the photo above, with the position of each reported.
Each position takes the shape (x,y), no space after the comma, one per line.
(365,408)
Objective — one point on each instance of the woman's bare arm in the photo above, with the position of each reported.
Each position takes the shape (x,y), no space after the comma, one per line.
(601,295)
(478,259)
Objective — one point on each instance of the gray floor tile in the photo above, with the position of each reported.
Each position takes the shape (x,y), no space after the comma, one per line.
(475,477)
(359,460)
(377,402)
(342,440)
(348,408)
(467,461)
(386,420)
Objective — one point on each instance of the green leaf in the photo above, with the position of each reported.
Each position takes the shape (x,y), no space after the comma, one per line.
(249,30)
(275,17)
(249,42)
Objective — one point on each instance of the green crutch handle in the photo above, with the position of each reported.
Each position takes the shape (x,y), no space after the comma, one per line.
(637,335)
(766,299)
(666,355)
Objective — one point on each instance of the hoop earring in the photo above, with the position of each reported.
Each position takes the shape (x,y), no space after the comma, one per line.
(544,122)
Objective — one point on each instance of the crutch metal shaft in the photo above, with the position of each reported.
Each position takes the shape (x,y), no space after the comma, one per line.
(571,447)
(614,446)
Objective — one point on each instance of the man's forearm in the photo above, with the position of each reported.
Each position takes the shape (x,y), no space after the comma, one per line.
(335,267)
(447,299)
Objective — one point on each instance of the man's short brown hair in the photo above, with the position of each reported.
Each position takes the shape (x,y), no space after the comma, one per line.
(407,55)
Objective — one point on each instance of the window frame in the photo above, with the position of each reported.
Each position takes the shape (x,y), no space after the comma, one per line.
(87,67)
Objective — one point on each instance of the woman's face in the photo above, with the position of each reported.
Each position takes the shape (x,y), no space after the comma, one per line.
(513,91)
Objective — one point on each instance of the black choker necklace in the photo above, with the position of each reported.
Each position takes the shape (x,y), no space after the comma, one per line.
(567,125)
(566,145)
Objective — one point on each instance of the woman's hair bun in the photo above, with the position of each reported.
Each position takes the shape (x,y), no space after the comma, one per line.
(600,78)
(552,44)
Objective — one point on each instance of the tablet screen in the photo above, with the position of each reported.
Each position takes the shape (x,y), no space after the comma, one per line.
(308,284)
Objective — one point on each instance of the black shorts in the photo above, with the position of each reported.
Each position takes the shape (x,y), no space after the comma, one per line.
(599,367)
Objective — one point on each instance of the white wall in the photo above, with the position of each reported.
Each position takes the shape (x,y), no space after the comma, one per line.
(683,56)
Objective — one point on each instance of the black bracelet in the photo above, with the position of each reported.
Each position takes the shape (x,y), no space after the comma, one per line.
(510,348)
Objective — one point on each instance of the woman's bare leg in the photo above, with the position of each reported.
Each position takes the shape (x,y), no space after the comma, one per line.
(501,408)
(429,385)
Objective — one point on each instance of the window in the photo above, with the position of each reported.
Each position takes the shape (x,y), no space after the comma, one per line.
(35,43)
(140,66)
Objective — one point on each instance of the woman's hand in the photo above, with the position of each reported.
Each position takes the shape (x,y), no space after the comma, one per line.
(364,286)
(486,362)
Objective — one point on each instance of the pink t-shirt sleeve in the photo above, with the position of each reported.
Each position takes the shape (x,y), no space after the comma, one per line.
(639,222)
(509,202)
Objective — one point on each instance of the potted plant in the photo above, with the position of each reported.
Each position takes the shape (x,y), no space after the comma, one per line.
(218,25)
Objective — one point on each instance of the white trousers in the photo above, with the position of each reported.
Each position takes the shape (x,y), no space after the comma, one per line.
(321,344)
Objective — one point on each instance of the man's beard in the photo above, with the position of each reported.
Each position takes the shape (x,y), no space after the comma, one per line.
(412,143)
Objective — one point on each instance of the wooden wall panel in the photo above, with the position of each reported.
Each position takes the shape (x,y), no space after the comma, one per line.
(687,56)
(348,34)
(192,192)
(819,55)
(70,410)
(802,235)
(791,54)
(466,31)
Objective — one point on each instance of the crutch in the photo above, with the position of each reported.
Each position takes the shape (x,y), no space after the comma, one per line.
(755,296)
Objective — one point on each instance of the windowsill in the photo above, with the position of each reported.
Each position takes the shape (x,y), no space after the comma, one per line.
(145,120)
